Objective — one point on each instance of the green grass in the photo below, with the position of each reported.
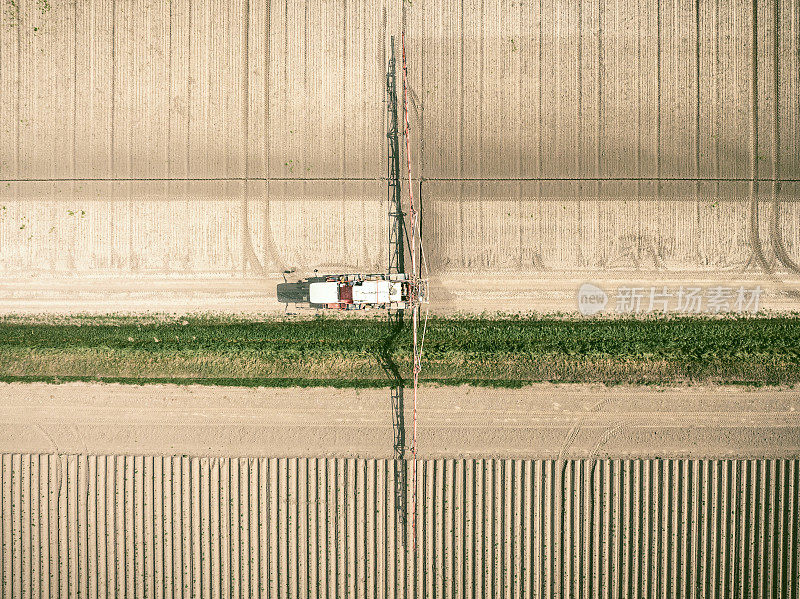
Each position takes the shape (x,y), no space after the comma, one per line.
(501,351)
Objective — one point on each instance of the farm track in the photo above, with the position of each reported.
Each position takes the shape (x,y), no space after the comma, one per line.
(539,421)
(451,293)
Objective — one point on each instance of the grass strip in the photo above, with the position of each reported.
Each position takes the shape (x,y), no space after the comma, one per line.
(498,351)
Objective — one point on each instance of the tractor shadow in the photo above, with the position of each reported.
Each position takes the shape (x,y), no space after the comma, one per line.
(385,355)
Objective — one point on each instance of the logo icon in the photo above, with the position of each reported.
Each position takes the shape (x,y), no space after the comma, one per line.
(591,299)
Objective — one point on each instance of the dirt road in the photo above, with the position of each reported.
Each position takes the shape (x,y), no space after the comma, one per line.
(542,421)
(451,293)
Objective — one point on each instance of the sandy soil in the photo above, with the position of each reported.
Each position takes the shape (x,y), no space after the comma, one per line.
(450,293)
(539,421)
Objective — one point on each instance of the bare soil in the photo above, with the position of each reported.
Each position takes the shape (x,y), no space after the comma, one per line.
(542,421)
(450,293)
